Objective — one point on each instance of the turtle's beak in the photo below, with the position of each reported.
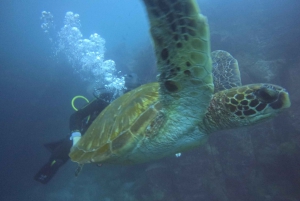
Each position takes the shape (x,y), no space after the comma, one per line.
(282,102)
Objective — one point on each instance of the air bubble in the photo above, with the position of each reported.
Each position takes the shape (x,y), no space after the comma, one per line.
(85,55)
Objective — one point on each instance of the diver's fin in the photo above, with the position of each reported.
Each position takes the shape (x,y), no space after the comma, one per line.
(53,145)
(45,174)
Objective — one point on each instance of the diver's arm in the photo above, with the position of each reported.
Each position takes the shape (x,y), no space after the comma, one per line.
(77,117)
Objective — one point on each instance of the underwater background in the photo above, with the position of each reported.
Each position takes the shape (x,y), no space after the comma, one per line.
(257,163)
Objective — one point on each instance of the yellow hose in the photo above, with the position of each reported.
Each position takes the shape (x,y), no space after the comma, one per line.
(73,100)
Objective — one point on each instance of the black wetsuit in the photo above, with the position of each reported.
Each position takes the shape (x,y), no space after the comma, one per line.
(79,121)
(83,118)
(92,110)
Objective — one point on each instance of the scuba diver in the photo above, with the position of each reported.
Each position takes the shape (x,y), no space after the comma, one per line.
(78,124)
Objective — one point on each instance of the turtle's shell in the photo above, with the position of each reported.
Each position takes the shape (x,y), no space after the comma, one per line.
(112,133)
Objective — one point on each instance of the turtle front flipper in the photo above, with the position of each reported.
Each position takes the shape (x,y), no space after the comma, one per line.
(182,45)
(225,71)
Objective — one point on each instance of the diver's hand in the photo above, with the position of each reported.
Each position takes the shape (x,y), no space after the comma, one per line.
(75,136)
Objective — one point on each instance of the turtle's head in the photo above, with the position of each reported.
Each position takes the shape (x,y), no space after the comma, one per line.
(255,103)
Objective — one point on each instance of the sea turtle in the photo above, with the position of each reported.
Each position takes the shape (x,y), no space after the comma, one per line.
(194,95)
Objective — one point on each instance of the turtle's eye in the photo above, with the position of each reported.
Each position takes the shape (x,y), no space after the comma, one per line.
(266,95)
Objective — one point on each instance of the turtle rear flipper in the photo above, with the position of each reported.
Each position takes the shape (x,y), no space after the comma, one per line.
(225,71)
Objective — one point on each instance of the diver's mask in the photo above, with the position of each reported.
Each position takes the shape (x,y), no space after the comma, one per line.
(103,94)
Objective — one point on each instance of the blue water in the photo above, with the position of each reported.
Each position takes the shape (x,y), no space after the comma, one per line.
(36,89)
